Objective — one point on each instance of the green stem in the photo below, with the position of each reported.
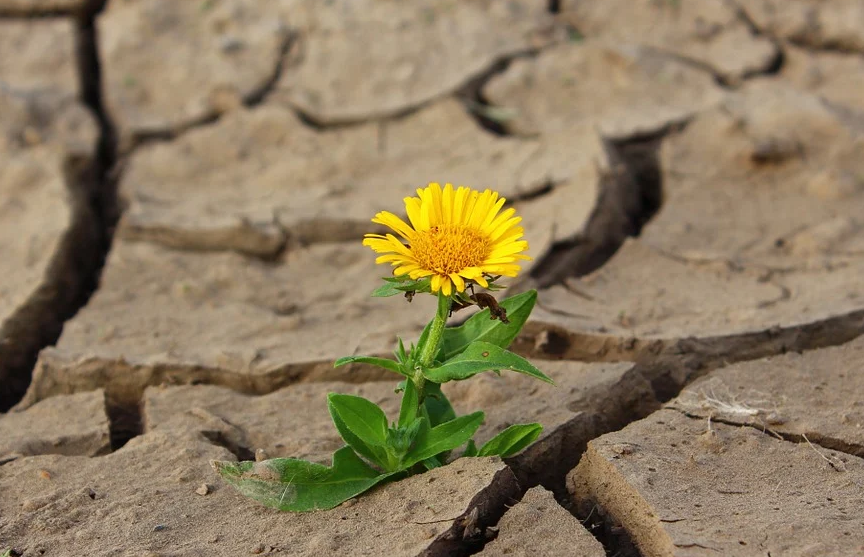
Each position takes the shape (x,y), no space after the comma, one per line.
(436,332)
(433,344)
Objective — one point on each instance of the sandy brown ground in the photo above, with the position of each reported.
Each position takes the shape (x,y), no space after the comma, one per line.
(691,177)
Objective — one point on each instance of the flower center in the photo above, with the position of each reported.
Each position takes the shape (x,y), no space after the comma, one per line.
(448,248)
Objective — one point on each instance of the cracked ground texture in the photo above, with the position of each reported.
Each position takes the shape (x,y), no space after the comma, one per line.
(691,178)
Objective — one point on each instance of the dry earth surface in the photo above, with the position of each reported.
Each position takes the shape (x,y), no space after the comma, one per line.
(691,178)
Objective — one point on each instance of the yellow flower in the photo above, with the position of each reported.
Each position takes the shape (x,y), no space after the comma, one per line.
(456,234)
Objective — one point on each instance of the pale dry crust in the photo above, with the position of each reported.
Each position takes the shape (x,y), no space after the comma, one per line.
(146,498)
(33,217)
(835,77)
(678,488)
(291,422)
(168,65)
(710,33)
(163,468)
(44,58)
(294,421)
(42,122)
(762,200)
(538,525)
(412,53)
(835,24)
(817,395)
(68,425)
(260,178)
(796,160)
(643,91)
(203,59)
(163,316)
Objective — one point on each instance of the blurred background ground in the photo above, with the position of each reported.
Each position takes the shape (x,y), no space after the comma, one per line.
(183,190)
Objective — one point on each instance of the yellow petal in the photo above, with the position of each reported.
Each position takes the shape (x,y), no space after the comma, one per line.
(484,206)
(499,231)
(458,282)
(389,258)
(471,273)
(389,219)
(459,201)
(412,207)
(481,206)
(426,214)
(420,273)
(501,217)
(436,283)
(447,204)
(470,203)
(493,212)
(399,247)
(499,260)
(446,286)
(381,246)
(508,249)
(510,236)
(506,269)
(434,197)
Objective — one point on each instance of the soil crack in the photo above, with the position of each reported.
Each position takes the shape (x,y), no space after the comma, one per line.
(124,421)
(488,116)
(811,438)
(74,271)
(250,100)
(630,195)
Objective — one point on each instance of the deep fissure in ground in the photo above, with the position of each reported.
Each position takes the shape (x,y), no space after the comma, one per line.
(75,267)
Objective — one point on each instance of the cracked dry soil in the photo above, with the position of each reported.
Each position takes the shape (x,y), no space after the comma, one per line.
(691,179)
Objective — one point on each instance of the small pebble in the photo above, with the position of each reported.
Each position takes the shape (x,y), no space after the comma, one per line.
(261,454)
(258,549)
(159,528)
(45,474)
(204,489)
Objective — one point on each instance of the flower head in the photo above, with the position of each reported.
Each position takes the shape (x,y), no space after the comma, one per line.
(456,235)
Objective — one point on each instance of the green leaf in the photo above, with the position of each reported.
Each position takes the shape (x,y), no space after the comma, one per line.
(400,439)
(361,424)
(442,438)
(386,290)
(471,449)
(386,363)
(290,484)
(421,342)
(479,357)
(431,463)
(401,354)
(410,403)
(511,440)
(438,408)
(480,327)
(394,286)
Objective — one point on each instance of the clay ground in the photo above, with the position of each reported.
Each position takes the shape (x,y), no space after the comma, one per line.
(183,190)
